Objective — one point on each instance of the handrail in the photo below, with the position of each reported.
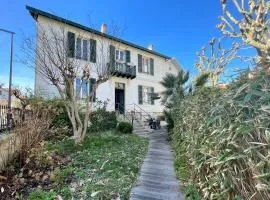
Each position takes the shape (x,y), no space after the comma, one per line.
(119,106)
(135,105)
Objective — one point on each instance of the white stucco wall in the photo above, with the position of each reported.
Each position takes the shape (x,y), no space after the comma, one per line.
(107,89)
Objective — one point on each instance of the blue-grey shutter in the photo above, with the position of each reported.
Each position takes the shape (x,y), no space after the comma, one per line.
(140,95)
(112,57)
(93,51)
(127,56)
(152,66)
(71,44)
(139,63)
(91,87)
(152,96)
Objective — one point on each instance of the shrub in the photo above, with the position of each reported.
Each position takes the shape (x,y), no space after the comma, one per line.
(42,195)
(102,120)
(225,137)
(125,127)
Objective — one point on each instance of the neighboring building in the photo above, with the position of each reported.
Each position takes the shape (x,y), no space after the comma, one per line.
(137,70)
(3,95)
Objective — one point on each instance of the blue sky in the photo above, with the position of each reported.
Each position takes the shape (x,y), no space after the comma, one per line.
(176,28)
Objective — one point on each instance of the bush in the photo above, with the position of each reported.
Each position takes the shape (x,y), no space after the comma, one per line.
(42,195)
(125,127)
(225,137)
(102,120)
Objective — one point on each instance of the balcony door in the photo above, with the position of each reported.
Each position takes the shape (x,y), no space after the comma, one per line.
(120,97)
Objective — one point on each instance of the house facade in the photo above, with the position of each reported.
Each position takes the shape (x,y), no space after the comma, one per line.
(136,71)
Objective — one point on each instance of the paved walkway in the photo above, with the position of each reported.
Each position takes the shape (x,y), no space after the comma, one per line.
(157,179)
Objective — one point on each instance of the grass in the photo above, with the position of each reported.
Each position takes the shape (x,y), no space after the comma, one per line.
(104,166)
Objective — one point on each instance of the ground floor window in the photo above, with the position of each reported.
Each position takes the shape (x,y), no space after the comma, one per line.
(145,94)
(83,88)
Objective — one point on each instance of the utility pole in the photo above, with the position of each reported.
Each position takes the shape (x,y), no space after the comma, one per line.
(9,114)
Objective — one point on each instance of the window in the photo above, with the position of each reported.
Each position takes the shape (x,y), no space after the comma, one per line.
(85,50)
(146,65)
(82,49)
(119,55)
(78,48)
(145,95)
(83,87)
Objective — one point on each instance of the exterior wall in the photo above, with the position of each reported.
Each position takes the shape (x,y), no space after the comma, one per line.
(107,89)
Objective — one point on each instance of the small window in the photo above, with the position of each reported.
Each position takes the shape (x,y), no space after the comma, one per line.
(84,89)
(77,86)
(78,48)
(146,65)
(119,55)
(85,50)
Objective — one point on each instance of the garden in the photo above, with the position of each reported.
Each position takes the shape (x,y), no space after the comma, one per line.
(49,164)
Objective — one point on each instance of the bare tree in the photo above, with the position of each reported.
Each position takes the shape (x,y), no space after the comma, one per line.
(53,58)
(252,27)
(215,62)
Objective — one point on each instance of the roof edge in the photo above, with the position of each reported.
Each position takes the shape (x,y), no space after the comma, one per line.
(34,12)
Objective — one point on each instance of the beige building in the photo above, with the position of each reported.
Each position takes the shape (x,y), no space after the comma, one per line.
(136,71)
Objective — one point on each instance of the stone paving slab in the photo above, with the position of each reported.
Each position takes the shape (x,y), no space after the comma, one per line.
(157,180)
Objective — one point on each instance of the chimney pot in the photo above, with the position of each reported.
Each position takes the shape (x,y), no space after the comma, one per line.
(104,28)
(151,47)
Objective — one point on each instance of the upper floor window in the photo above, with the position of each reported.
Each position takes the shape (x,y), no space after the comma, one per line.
(145,64)
(82,49)
(119,55)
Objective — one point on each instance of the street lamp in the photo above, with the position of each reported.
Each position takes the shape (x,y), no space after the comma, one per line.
(10,77)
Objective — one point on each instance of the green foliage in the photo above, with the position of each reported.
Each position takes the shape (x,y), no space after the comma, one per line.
(104,166)
(59,115)
(191,193)
(102,120)
(125,127)
(224,137)
(174,87)
(42,195)
(59,175)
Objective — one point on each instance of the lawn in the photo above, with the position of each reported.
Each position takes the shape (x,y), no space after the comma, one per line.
(104,166)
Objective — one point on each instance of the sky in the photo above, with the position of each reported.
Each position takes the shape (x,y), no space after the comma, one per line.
(176,28)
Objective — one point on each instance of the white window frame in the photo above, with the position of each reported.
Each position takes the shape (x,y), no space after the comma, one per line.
(146,65)
(146,95)
(117,55)
(82,49)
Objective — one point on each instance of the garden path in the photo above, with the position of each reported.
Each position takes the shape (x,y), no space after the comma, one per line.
(157,180)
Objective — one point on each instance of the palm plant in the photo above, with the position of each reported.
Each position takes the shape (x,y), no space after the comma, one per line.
(174,87)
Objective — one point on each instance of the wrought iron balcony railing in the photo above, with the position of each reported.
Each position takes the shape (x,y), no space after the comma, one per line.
(123,70)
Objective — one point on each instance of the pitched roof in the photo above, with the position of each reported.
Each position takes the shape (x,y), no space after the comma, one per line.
(35,12)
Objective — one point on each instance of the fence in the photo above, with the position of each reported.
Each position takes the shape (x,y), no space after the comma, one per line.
(17,117)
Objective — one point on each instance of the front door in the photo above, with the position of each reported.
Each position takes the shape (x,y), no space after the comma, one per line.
(120,97)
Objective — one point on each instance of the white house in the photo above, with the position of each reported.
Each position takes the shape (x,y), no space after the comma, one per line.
(137,71)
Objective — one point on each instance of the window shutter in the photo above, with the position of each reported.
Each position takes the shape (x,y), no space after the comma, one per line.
(91,88)
(93,50)
(152,66)
(112,56)
(127,56)
(152,96)
(140,94)
(139,63)
(71,44)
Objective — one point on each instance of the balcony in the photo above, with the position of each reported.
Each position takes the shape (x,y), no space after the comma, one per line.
(123,70)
